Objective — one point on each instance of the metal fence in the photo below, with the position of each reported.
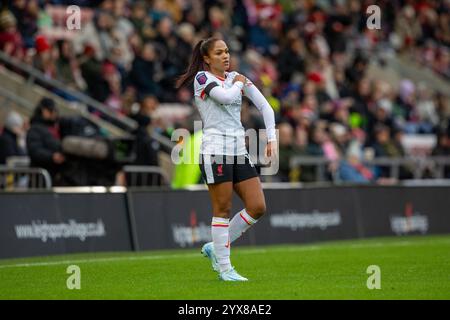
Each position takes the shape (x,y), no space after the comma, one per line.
(434,166)
(140,176)
(16,178)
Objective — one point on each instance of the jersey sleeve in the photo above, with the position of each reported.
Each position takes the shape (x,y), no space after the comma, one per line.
(203,83)
(261,103)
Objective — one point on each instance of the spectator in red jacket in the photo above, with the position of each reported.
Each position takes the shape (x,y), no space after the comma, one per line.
(10,39)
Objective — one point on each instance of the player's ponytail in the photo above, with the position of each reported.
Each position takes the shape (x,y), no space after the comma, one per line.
(196,64)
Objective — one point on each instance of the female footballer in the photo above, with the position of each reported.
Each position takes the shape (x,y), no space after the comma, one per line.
(224,161)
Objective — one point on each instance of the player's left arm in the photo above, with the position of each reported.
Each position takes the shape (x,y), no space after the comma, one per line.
(261,103)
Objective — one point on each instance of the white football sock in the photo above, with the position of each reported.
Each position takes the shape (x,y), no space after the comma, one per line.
(240,223)
(221,240)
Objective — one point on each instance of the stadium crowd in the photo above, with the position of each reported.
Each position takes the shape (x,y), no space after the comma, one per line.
(310,59)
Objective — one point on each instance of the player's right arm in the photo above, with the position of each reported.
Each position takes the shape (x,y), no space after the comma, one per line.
(205,85)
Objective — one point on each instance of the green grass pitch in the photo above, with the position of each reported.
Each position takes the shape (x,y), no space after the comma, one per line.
(410,268)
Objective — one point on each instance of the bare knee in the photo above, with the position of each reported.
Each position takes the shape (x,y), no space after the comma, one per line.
(257,210)
(222,210)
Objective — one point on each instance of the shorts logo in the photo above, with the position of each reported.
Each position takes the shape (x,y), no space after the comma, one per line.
(201,78)
(220,170)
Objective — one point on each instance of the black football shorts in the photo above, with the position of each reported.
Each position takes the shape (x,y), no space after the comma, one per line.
(222,168)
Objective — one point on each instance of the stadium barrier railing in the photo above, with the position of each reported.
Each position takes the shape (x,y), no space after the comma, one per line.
(138,176)
(20,179)
(435,165)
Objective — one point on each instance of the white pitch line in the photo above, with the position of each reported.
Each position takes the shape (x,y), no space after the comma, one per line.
(95,260)
(196,255)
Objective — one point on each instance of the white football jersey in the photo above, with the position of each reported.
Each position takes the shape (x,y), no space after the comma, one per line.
(223,132)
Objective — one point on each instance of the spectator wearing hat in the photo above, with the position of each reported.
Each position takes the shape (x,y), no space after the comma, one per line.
(11,41)
(43,60)
(44,141)
(12,138)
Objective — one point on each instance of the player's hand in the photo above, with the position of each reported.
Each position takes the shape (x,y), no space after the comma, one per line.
(271,149)
(240,78)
